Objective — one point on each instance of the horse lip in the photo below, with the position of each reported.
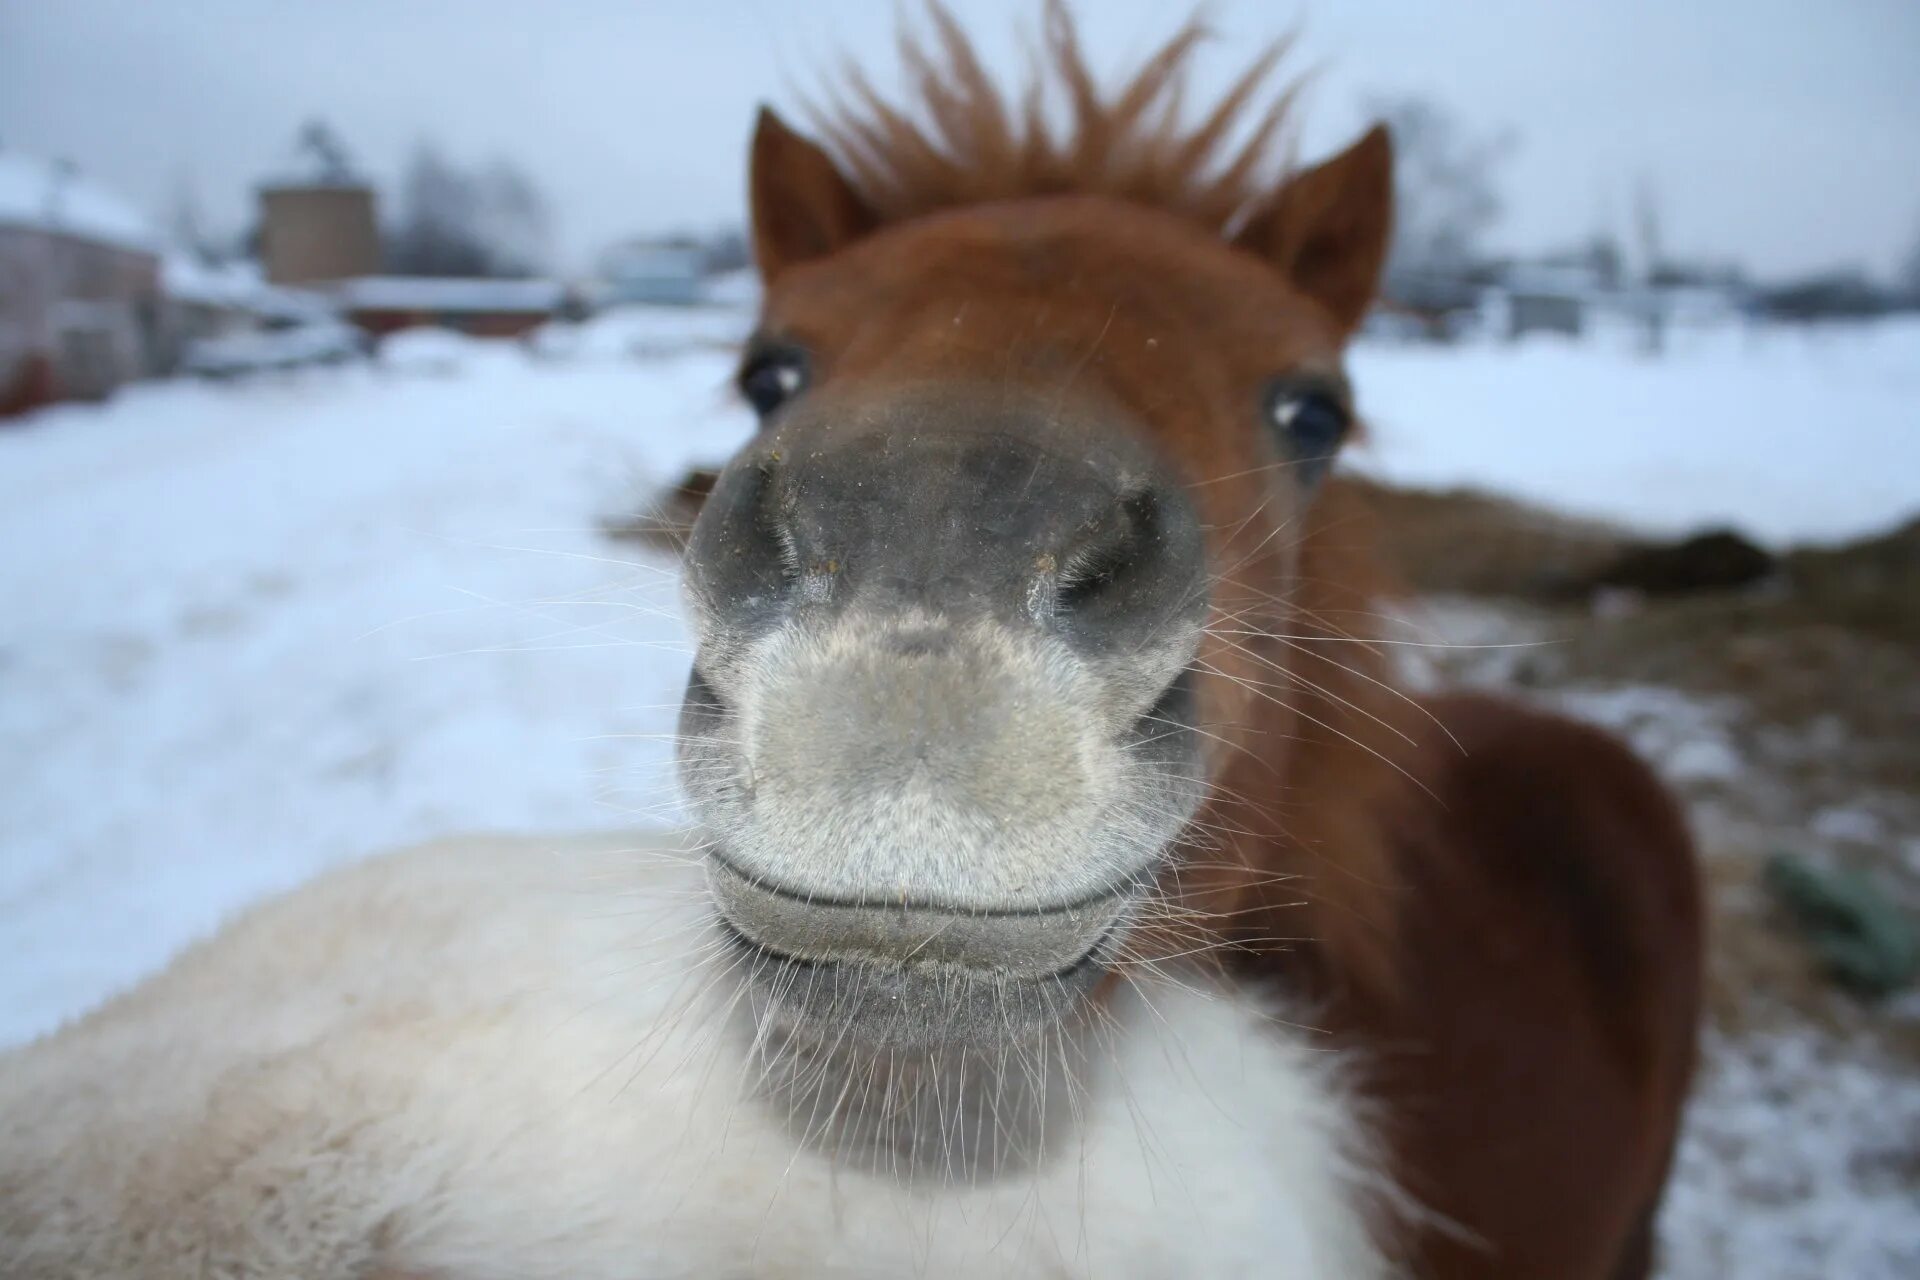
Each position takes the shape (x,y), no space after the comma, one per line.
(718,857)
(746,942)
(857,1001)
(1022,943)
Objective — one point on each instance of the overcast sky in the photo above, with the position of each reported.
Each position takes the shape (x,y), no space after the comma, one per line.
(1785,133)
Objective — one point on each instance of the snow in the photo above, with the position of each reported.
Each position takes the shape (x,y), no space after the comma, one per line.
(238,286)
(734,289)
(1847,823)
(1793,1166)
(1789,435)
(314,342)
(49,196)
(252,629)
(185,278)
(641,332)
(423,293)
(442,352)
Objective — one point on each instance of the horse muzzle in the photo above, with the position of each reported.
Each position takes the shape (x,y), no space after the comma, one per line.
(940,726)
(906,974)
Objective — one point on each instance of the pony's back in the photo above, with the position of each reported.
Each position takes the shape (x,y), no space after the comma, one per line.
(512,1058)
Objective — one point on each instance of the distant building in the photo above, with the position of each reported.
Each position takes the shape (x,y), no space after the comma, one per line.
(317,216)
(654,272)
(483,308)
(1557,293)
(1534,310)
(80,296)
(313,233)
(1569,294)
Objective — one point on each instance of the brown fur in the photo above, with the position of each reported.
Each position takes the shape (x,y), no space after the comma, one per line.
(1495,907)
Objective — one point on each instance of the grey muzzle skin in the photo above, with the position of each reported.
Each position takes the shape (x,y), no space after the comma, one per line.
(940,727)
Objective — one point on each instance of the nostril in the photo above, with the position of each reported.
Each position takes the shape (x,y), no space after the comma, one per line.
(768,534)
(1112,554)
(779,534)
(743,548)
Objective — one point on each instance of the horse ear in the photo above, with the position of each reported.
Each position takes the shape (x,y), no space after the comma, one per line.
(1327,228)
(803,207)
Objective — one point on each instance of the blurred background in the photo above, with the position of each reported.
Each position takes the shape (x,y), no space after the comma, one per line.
(356,361)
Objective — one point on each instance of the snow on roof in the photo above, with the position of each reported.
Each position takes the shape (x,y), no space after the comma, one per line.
(185,278)
(239,286)
(49,196)
(427,293)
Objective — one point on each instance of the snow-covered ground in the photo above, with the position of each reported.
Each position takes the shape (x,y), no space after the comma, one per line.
(249,630)
(1789,434)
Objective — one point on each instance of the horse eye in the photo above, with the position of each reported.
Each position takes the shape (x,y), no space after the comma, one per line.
(772,378)
(1313,423)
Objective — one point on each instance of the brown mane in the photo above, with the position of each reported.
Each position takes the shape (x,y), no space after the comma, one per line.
(963,140)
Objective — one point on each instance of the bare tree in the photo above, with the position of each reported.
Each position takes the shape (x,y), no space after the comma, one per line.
(511,219)
(435,235)
(1648,227)
(1446,189)
(186,226)
(457,222)
(320,144)
(1649,236)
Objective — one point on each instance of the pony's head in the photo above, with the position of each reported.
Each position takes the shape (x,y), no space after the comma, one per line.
(1043,417)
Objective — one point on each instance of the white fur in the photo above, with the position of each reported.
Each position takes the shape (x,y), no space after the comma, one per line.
(513,1058)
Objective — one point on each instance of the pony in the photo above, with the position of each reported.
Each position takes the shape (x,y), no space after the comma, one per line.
(1075,888)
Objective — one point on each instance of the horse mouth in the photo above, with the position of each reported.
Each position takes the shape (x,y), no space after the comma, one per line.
(905,975)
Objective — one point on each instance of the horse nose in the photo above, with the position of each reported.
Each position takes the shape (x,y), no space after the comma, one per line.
(1019,522)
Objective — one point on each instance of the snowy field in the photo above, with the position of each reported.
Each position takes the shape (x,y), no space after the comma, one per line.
(1790,435)
(250,630)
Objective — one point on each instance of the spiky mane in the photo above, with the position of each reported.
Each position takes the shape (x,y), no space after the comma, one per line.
(960,139)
